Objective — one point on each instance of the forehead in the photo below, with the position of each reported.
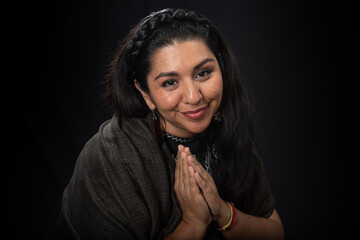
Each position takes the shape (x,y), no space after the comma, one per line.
(179,56)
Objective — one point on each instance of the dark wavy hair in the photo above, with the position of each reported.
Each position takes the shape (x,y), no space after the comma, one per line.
(233,137)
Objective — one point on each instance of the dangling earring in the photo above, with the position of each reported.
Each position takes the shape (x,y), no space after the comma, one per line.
(156,126)
(217,117)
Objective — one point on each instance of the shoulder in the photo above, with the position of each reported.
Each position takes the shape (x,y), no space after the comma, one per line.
(117,135)
(264,202)
(119,143)
(123,128)
(122,146)
(122,161)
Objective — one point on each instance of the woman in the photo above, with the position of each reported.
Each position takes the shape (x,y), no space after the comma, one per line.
(178,158)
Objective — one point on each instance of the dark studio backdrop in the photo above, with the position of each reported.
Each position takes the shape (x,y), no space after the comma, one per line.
(289,53)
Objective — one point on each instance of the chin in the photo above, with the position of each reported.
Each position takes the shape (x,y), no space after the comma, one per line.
(199,128)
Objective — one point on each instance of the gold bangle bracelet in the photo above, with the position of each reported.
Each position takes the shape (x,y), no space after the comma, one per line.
(226,226)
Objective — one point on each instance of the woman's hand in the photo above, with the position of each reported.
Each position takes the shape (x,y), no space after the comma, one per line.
(192,202)
(220,211)
(201,204)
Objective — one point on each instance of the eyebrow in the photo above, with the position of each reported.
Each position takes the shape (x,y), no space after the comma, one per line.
(175,74)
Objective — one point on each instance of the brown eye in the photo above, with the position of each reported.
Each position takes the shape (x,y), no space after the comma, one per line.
(169,83)
(203,73)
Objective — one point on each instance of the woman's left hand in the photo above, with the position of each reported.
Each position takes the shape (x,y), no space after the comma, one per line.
(219,209)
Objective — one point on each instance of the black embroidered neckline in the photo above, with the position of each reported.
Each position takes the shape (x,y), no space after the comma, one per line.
(178,139)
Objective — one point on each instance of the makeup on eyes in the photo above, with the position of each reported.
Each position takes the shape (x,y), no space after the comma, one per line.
(176,74)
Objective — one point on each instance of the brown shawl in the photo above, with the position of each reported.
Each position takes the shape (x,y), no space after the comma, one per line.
(122,186)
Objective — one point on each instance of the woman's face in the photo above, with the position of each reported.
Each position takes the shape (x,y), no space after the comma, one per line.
(185,86)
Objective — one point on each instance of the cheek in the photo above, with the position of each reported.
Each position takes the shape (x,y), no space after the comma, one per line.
(166,101)
(213,90)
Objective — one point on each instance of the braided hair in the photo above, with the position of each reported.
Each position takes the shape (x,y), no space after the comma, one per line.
(233,137)
(133,55)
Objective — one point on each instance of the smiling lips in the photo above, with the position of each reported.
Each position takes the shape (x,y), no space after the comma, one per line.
(198,113)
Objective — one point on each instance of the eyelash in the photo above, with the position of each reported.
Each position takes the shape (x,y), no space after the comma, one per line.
(171,82)
(207,71)
(167,83)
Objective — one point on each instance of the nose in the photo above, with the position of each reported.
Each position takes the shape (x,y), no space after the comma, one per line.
(191,92)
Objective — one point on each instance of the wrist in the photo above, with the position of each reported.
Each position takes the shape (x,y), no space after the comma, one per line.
(188,229)
(224,215)
(232,220)
(196,229)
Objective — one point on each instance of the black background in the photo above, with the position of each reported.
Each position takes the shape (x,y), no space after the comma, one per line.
(291,55)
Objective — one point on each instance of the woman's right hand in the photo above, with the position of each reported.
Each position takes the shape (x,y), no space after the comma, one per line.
(195,210)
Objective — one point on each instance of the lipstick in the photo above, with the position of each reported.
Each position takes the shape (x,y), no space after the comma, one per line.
(196,114)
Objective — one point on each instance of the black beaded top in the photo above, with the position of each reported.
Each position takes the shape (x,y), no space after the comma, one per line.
(198,146)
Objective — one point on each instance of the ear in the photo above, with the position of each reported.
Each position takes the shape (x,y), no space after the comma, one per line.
(145,95)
